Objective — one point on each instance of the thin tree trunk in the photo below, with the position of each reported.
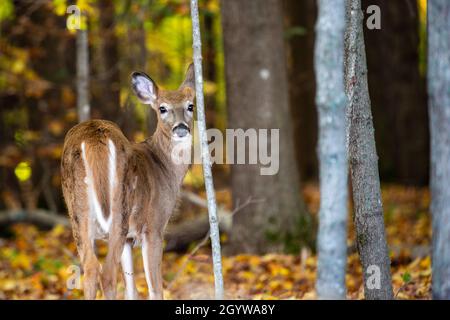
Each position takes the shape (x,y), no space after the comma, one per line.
(439,108)
(331,103)
(257,98)
(368,208)
(201,122)
(84,110)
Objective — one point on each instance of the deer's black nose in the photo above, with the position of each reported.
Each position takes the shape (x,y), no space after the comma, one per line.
(181,130)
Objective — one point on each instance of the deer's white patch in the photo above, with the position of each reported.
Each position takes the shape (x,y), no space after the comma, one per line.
(151,290)
(127,268)
(111,175)
(181,149)
(94,205)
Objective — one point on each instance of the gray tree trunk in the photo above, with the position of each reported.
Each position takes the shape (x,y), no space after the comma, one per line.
(331,102)
(439,108)
(257,97)
(201,122)
(368,208)
(84,110)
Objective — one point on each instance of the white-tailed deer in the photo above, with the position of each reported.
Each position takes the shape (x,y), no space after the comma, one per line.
(125,192)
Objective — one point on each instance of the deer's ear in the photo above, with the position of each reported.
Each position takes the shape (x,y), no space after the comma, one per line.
(189,79)
(144,87)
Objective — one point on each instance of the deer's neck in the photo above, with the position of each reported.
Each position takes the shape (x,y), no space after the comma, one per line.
(161,146)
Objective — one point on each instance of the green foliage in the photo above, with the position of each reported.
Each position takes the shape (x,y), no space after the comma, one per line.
(6,10)
(170,43)
(406,277)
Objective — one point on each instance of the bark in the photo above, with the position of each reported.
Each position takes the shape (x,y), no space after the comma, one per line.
(368,209)
(302,84)
(209,54)
(108,85)
(136,53)
(201,122)
(398,93)
(331,103)
(257,97)
(84,110)
(439,108)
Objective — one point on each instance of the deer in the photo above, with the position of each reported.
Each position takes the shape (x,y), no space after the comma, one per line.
(125,192)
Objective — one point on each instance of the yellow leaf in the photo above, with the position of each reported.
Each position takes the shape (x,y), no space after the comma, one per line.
(23,171)
(56,127)
(22,261)
(274,284)
(7,285)
(425,263)
(60,7)
(247,275)
(58,230)
(190,267)
(288,285)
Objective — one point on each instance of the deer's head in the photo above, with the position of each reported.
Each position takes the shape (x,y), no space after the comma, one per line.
(175,109)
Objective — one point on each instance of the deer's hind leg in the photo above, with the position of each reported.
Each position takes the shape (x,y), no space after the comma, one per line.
(91,267)
(116,240)
(82,228)
(128,206)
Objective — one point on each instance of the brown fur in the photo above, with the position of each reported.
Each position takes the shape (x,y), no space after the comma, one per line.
(146,179)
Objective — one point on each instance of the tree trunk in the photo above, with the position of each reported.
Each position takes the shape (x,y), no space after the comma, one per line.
(439,107)
(331,103)
(368,209)
(108,90)
(209,57)
(302,85)
(398,93)
(207,173)
(84,110)
(136,52)
(257,97)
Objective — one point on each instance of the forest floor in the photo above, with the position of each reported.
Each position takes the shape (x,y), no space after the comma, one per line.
(34,264)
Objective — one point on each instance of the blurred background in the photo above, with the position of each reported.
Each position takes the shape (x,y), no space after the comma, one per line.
(38,105)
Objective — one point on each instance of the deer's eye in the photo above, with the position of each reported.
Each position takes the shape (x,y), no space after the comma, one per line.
(162,109)
(190,107)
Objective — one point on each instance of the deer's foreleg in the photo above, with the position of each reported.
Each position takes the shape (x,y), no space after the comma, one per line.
(152,250)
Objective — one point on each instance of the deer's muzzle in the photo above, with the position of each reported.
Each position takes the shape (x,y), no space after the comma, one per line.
(181,130)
